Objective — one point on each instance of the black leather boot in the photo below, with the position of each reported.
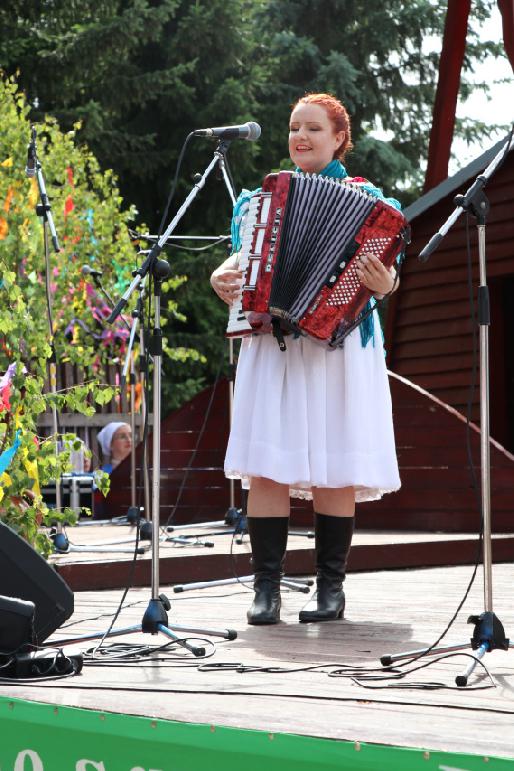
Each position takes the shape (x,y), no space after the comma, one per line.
(333,541)
(268,537)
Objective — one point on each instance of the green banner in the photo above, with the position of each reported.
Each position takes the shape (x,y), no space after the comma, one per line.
(43,737)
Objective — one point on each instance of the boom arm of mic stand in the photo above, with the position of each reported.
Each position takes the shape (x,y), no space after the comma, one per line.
(99,285)
(157,248)
(122,302)
(464,201)
(438,237)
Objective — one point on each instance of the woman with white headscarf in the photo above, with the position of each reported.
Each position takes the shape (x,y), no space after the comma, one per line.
(115,440)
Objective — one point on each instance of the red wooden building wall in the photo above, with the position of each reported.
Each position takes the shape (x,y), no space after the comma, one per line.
(429,334)
(436,492)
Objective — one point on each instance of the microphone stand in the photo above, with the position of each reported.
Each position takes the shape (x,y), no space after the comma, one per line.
(44,210)
(488,632)
(155,618)
(133,514)
(233,516)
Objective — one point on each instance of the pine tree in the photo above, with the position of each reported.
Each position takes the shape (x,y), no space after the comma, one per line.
(370,54)
(142,74)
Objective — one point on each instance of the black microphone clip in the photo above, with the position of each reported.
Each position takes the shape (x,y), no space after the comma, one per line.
(87,270)
(30,168)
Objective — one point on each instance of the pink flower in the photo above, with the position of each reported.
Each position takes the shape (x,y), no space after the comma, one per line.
(5,394)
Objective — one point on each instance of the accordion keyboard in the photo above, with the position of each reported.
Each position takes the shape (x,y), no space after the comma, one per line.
(252,234)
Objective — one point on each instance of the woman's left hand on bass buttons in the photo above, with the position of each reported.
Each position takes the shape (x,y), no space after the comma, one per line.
(227,279)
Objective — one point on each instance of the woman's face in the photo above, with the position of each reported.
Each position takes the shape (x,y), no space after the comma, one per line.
(313,140)
(121,443)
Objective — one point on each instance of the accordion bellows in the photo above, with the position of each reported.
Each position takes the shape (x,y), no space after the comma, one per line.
(300,244)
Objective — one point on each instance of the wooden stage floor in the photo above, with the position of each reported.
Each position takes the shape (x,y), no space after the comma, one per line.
(387,611)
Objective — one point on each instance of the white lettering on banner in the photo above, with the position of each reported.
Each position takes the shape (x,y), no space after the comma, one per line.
(36,764)
(452,768)
(140,768)
(35,760)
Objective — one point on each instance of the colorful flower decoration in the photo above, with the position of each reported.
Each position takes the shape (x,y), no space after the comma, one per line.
(7,456)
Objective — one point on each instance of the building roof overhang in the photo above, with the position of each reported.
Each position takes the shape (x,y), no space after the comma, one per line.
(455,183)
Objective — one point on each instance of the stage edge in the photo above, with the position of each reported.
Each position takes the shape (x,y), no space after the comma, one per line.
(42,737)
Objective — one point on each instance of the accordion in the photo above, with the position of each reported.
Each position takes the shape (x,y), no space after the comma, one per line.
(300,242)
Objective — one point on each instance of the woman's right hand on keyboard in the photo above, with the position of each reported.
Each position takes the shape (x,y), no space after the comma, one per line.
(227,279)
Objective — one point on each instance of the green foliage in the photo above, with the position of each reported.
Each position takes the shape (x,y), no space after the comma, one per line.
(92,228)
(372,56)
(139,75)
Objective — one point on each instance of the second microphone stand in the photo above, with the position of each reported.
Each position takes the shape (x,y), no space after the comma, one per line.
(155,618)
(488,634)
(44,210)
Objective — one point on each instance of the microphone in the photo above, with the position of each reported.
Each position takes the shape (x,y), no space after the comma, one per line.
(30,168)
(87,270)
(250,131)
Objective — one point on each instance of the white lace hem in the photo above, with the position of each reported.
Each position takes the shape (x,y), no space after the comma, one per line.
(304,492)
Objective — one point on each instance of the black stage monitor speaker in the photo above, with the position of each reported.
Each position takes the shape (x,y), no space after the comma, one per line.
(16,623)
(26,575)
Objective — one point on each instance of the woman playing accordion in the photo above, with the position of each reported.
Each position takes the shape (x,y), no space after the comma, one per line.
(309,421)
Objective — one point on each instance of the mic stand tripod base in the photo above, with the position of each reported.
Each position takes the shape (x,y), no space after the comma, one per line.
(217,523)
(191,538)
(155,621)
(114,521)
(187,540)
(146,534)
(297,584)
(239,530)
(487,636)
(63,546)
(227,530)
(232,516)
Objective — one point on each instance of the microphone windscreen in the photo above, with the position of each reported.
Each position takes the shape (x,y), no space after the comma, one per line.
(254,131)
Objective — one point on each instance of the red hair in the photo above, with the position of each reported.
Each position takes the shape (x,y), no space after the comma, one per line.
(338,116)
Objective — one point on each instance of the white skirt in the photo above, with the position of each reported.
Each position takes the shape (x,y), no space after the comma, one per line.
(313,417)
